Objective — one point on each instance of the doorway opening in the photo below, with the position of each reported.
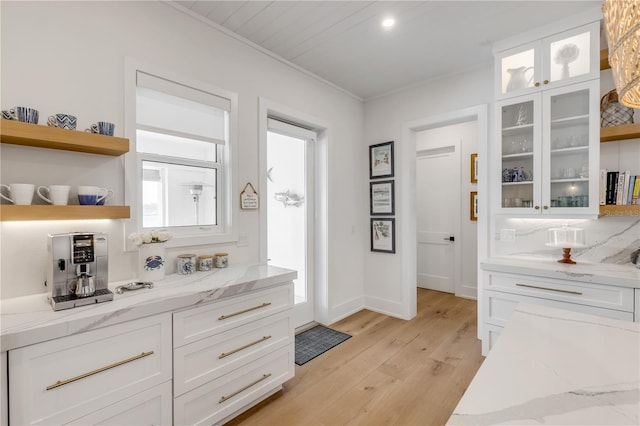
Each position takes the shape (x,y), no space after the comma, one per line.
(290,209)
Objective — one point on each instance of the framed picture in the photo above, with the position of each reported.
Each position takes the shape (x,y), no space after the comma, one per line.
(381,197)
(474,168)
(383,235)
(473,206)
(381,160)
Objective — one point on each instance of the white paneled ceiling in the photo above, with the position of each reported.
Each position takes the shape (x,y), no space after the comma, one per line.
(343,41)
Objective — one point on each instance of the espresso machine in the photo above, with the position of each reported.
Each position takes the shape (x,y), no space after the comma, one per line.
(77,270)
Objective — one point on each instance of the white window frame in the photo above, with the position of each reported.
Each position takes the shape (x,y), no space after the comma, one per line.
(226,230)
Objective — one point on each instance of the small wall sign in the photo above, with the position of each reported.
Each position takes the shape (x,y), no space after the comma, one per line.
(249,197)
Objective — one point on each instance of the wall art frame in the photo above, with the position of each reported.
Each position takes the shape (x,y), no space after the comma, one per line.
(382,197)
(474,168)
(383,234)
(381,160)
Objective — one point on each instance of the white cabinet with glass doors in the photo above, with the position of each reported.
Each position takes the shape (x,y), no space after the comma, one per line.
(548,151)
(564,58)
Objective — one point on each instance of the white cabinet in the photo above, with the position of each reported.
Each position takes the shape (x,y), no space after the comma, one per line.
(230,355)
(548,151)
(504,291)
(564,58)
(91,374)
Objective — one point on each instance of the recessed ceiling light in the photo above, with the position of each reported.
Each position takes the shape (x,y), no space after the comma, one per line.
(388,22)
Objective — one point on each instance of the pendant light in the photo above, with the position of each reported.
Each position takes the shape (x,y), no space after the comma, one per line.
(622,27)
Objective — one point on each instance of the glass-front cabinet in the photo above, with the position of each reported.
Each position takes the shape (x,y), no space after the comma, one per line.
(565,58)
(549,145)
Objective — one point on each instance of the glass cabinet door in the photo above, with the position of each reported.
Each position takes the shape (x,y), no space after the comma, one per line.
(519,128)
(518,70)
(572,56)
(570,166)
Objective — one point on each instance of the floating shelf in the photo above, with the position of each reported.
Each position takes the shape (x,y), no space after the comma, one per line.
(75,212)
(616,133)
(629,210)
(27,134)
(604,59)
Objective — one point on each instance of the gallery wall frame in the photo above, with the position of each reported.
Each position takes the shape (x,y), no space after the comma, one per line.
(474,168)
(383,234)
(473,206)
(381,160)
(381,198)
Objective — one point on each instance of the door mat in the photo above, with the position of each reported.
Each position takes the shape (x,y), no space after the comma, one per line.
(316,341)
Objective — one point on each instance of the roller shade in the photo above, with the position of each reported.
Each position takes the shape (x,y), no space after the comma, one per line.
(168,107)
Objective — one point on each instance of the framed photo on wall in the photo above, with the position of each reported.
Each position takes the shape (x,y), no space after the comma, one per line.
(381,160)
(474,168)
(381,198)
(383,235)
(473,206)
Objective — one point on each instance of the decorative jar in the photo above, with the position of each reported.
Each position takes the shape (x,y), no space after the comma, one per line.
(221,260)
(151,262)
(186,264)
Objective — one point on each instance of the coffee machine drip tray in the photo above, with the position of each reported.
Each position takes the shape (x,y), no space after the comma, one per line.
(69,301)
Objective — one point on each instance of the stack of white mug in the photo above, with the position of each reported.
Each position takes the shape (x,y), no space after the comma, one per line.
(58,195)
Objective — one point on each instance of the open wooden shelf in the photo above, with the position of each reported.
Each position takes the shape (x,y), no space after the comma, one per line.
(48,212)
(629,210)
(616,133)
(604,59)
(27,134)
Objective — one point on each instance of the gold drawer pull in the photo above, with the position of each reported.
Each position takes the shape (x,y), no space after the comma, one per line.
(224,398)
(550,289)
(99,370)
(248,345)
(223,317)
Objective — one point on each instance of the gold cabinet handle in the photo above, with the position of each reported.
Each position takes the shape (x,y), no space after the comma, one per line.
(223,317)
(537,84)
(549,289)
(224,398)
(537,207)
(545,207)
(248,345)
(546,82)
(99,370)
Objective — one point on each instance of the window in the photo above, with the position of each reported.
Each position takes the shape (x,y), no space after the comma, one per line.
(183,146)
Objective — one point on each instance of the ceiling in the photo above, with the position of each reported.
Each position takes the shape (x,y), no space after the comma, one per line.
(344,43)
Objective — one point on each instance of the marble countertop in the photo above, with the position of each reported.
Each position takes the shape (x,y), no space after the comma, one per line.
(556,367)
(30,319)
(596,273)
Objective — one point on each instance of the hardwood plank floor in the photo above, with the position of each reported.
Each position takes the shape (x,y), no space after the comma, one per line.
(391,372)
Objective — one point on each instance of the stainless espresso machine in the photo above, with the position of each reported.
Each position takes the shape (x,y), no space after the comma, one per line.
(77,271)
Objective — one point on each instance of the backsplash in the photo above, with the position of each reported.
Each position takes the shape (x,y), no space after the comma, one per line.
(610,239)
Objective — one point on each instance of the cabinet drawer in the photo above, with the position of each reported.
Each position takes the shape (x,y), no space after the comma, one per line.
(197,323)
(151,407)
(61,380)
(499,306)
(204,360)
(238,390)
(603,296)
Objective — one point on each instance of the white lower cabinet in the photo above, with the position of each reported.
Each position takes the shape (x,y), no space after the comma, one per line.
(245,352)
(61,381)
(503,292)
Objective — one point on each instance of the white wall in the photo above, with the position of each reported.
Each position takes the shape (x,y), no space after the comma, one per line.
(69,57)
(384,120)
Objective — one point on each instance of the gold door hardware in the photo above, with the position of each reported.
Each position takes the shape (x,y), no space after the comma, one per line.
(248,345)
(546,82)
(537,84)
(545,207)
(550,289)
(537,207)
(99,370)
(223,317)
(224,398)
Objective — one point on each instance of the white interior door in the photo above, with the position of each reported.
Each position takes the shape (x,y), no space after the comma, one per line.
(438,212)
(290,209)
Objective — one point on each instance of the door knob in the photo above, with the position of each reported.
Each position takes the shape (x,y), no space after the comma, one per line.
(451,238)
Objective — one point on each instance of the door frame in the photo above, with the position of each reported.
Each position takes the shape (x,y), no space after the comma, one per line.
(408,203)
(268,108)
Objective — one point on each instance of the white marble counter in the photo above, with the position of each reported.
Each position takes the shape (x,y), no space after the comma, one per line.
(556,367)
(30,319)
(597,273)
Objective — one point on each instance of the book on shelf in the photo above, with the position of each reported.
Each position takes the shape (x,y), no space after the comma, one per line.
(618,188)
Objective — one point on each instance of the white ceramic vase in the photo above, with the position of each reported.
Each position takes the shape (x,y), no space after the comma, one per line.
(151,262)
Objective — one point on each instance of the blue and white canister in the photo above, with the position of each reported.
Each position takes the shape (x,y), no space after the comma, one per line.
(151,262)
(186,264)
(221,260)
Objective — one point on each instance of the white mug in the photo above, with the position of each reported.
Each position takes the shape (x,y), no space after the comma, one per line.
(58,194)
(22,193)
(91,195)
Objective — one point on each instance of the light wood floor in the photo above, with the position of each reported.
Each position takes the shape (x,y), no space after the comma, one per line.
(391,372)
